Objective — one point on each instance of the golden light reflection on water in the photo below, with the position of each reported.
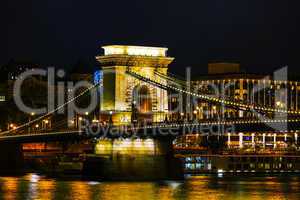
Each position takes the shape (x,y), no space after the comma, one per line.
(9,187)
(127,191)
(39,187)
(80,190)
(34,186)
(45,189)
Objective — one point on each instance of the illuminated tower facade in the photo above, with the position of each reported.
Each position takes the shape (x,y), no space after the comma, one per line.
(124,98)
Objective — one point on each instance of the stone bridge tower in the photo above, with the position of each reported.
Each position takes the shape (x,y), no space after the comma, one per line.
(125,98)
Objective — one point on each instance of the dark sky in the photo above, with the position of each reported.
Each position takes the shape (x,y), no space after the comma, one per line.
(262,34)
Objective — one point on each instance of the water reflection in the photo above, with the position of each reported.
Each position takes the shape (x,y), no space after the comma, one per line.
(33,186)
(9,187)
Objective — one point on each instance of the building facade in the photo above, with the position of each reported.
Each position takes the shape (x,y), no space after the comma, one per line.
(226,81)
(126,99)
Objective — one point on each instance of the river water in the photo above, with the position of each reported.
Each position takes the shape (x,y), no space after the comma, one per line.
(33,186)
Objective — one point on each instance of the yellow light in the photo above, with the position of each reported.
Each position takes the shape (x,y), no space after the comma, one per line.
(36,126)
(80,118)
(11,125)
(86,113)
(95,121)
(278,103)
(32,114)
(134,50)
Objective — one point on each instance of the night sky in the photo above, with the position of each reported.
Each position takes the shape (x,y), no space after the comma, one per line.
(261,34)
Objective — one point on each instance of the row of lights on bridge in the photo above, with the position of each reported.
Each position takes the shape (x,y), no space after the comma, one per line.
(226,102)
(14,126)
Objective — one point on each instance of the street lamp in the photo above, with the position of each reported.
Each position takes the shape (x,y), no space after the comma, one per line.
(45,123)
(278,103)
(29,119)
(110,117)
(12,126)
(195,114)
(182,116)
(95,120)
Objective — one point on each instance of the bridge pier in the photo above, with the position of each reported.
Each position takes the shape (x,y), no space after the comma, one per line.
(11,158)
(134,159)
